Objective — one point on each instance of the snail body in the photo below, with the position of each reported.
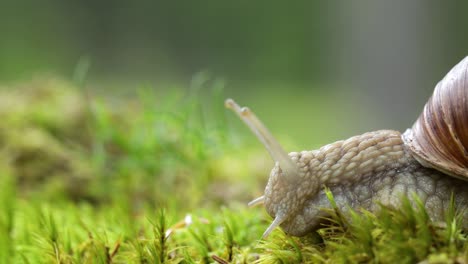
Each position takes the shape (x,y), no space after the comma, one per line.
(364,171)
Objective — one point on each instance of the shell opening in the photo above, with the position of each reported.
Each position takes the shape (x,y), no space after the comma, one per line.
(278,154)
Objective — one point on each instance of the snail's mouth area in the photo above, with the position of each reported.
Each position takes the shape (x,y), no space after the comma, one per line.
(312,214)
(298,222)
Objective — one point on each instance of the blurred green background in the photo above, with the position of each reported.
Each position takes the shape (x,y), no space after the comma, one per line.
(314,71)
(112,112)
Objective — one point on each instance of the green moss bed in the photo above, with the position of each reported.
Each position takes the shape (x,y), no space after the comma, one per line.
(165,179)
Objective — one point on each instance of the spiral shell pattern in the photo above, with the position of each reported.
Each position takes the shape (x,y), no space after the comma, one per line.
(439,137)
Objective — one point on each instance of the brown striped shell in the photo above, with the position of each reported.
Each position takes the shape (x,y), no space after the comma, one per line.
(439,137)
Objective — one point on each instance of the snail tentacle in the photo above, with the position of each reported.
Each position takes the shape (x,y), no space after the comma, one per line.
(279,219)
(257,201)
(290,170)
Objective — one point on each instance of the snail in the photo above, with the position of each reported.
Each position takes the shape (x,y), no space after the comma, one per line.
(375,168)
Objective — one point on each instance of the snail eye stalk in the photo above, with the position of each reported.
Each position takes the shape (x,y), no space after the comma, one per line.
(277,153)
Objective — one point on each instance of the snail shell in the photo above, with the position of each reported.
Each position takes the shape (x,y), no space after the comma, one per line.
(375,167)
(439,137)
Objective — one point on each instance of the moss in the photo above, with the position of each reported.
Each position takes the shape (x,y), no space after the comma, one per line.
(39,135)
(85,182)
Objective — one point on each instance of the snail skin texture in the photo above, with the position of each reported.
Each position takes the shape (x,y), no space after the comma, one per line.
(374,168)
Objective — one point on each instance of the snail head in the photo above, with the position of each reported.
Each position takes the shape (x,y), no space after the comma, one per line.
(281,198)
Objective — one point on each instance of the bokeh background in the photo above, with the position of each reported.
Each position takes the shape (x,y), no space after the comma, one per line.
(315,71)
(113,129)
